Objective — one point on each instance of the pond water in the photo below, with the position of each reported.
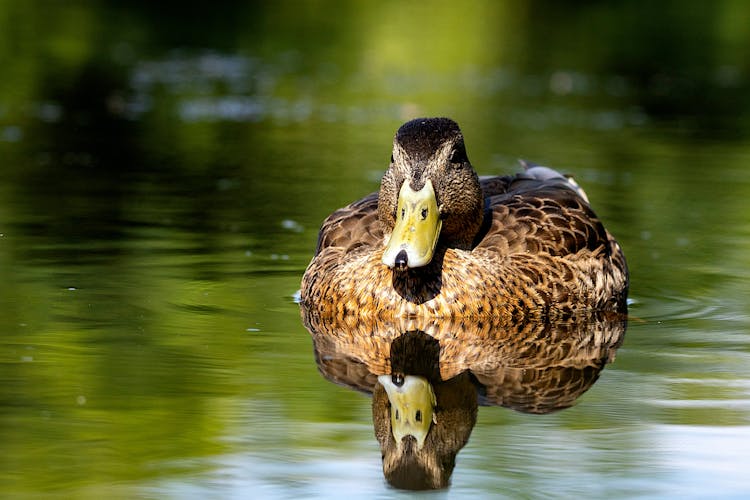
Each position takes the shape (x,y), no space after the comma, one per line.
(164,174)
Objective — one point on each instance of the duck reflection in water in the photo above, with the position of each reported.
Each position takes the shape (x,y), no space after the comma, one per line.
(421,422)
(427,382)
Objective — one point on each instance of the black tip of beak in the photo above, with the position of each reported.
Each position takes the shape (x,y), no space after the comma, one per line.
(397,379)
(401,260)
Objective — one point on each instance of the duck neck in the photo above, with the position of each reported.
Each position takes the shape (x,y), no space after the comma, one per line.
(462,232)
(418,285)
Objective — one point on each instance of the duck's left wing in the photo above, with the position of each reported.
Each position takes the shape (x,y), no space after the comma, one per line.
(353,226)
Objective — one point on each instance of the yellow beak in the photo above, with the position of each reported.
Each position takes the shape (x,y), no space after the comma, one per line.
(412,407)
(417,229)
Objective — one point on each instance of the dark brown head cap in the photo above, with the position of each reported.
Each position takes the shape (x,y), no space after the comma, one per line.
(421,137)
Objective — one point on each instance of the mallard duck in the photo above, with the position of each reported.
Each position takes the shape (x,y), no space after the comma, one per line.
(437,241)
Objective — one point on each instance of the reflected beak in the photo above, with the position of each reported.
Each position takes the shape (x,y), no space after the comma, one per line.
(412,406)
(417,229)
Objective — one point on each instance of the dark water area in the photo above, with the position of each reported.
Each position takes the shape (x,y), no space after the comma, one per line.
(164,170)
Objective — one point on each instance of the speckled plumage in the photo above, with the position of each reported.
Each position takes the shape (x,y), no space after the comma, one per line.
(519,247)
(533,367)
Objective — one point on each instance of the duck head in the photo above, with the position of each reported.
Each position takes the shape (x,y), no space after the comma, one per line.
(429,424)
(430,194)
(412,406)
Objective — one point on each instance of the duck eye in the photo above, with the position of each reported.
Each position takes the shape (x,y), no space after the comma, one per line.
(424,213)
(418,416)
(458,156)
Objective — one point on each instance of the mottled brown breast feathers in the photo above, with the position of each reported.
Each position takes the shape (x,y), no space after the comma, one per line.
(541,253)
